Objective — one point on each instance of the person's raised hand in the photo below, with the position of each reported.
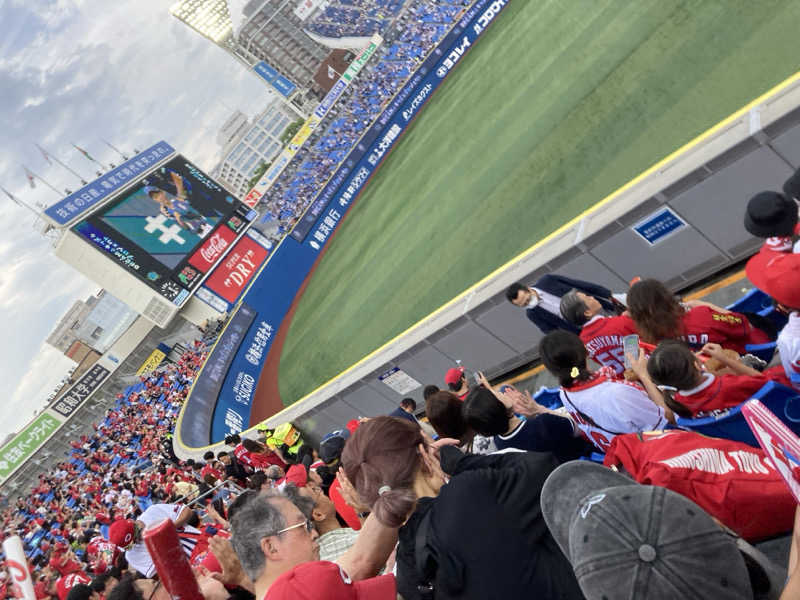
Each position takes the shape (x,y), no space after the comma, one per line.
(232,571)
(349,493)
(445,442)
(524,404)
(481,378)
(639,364)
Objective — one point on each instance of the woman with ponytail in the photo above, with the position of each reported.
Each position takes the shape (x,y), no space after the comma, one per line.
(602,405)
(475,535)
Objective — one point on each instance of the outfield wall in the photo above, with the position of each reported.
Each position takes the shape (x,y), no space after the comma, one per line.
(690,205)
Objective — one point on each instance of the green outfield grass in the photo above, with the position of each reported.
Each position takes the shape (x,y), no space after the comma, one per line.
(558,105)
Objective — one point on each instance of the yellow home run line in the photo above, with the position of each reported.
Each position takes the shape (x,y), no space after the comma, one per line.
(686,147)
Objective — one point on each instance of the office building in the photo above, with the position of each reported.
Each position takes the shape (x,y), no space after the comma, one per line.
(247,143)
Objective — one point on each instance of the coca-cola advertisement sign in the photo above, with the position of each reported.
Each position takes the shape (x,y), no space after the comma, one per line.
(252,198)
(212,249)
(234,273)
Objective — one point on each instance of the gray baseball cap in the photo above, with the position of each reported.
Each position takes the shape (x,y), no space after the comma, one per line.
(628,541)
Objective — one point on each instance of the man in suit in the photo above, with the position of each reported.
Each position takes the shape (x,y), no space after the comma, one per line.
(542,300)
(406,410)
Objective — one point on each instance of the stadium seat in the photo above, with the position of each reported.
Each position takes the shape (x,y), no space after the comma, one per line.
(731,424)
(549,397)
(753,301)
(763,351)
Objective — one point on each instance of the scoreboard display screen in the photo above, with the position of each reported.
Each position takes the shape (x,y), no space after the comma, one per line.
(169,229)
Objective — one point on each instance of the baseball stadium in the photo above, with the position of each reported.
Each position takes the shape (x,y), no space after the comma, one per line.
(517,308)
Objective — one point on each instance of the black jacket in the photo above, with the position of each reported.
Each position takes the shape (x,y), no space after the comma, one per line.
(486,533)
(559,286)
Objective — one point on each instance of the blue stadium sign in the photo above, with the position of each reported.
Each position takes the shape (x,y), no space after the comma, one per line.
(78,203)
(659,225)
(278,82)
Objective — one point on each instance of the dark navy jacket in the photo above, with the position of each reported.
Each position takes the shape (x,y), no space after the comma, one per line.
(558,286)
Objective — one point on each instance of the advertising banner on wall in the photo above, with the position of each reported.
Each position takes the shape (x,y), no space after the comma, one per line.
(228,281)
(152,362)
(92,194)
(169,228)
(19,449)
(276,287)
(278,82)
(195,427)
(78,393)
(234,273)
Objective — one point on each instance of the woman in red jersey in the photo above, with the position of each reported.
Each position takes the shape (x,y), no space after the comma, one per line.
(659,315)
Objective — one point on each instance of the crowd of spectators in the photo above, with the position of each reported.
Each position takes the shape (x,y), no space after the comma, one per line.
(584,491)
(408,39)
(354,18)
(126,465)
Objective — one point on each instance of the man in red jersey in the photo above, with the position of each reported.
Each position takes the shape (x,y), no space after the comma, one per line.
(601,335)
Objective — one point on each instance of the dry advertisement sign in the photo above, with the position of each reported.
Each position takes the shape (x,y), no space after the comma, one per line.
(234,273)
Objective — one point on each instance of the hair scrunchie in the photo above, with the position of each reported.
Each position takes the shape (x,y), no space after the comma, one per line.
(383,489)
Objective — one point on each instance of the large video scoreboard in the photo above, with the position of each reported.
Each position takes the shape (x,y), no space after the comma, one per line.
(152,241)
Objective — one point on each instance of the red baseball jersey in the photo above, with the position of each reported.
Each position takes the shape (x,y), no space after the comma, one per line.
(730,480)
(242,455)
(602,337)
(67,582)
(209,470)
(720,391)
(702,325)
(101,549)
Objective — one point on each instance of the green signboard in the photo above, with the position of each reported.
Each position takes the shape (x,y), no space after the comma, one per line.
(25,443)
(361,59)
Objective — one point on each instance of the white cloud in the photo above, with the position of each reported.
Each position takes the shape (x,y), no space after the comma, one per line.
(77,71)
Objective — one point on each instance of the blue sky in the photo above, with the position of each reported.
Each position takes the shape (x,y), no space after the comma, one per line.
(78,71)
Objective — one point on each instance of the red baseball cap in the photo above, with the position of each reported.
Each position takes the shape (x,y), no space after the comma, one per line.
(776,274)
(121,532)
(296,475)
(322,580)
(453,376)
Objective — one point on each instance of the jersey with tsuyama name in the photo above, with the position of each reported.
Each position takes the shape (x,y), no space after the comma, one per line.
(602,337)
(604,407)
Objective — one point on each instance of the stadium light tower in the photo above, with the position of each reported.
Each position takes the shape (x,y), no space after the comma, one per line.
(210,18)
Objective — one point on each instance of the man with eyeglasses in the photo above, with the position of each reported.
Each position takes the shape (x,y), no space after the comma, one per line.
(334,540)
(271,536)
